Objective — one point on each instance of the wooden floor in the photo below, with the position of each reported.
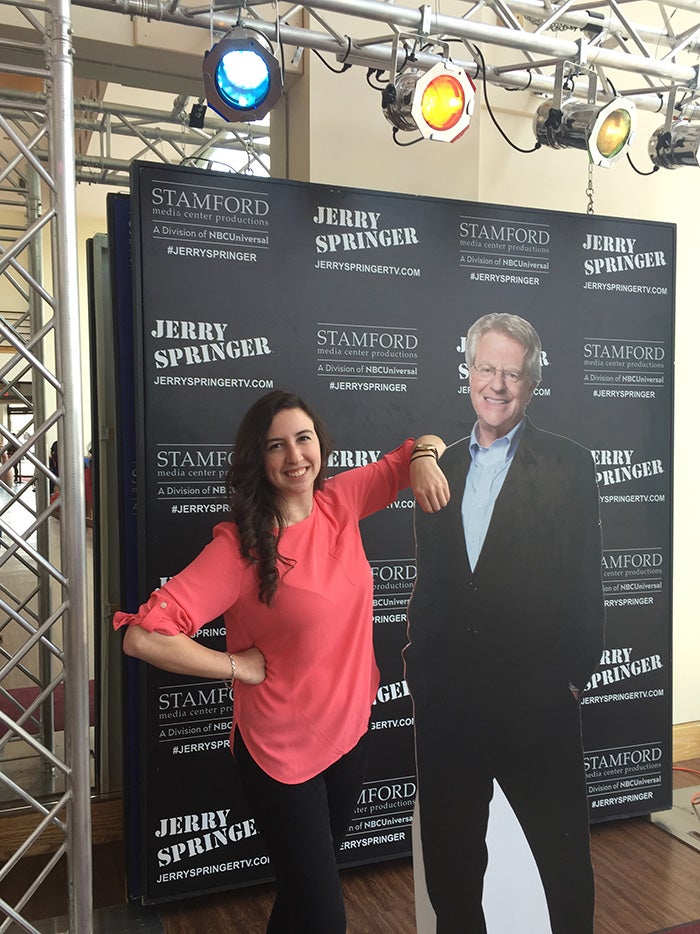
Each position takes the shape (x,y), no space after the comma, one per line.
(646,880)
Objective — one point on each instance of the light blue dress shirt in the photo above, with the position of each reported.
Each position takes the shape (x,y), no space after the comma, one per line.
(487,471)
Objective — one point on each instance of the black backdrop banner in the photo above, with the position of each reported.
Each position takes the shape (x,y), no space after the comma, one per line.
(359,301)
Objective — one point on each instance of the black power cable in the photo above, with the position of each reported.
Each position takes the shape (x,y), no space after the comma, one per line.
(639,171)
(411,143)
(491,113)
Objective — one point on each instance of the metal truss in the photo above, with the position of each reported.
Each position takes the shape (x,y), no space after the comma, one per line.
(44,675)
(163,135)
(643,50)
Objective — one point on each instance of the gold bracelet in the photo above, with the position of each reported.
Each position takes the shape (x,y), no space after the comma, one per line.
(422,448)
(414,457)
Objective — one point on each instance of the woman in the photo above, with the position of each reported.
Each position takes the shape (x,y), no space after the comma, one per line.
(291,578)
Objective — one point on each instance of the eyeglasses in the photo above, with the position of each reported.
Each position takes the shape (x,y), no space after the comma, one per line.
(486,371)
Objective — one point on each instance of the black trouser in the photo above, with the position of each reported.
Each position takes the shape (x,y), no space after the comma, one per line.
(303,826)
(534,752)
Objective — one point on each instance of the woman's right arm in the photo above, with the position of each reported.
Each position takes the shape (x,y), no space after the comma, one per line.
(183,655)
(160,632)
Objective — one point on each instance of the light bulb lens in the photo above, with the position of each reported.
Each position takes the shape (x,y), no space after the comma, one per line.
(243,79)
(614,133)
(443,102)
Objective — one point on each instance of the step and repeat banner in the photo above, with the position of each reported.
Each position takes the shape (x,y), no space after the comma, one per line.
(359,301)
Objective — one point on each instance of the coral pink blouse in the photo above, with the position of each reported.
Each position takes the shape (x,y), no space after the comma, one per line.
(321,674)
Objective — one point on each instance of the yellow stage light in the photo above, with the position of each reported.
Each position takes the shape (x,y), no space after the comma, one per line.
(604,132)
(438,103)
(614,132)
(443,102)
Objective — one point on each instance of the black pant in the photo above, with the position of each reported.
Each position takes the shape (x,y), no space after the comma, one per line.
(535,754)
(303,826)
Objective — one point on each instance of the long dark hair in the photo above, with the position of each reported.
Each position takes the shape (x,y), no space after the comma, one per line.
(256,506)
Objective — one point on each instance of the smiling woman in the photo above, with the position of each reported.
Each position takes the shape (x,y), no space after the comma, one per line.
(291,579)
(293,461)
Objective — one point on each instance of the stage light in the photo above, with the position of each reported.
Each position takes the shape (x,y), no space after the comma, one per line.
(603,132)
(242,78)
(674,146)
(439,103)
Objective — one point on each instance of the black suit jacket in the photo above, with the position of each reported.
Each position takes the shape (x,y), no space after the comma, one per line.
(531,614)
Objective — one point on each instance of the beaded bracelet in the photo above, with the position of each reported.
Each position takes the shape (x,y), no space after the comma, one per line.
(233,668)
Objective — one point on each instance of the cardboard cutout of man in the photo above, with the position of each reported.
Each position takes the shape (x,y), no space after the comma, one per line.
(506,627)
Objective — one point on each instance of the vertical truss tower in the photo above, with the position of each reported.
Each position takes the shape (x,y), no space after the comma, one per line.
(44,702)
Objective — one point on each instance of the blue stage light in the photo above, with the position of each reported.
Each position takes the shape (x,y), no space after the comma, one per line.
(242,78)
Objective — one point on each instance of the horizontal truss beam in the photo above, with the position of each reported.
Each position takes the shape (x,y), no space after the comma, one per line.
(424,27)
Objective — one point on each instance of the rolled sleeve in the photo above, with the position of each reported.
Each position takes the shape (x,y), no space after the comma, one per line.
(161,613)
(200,593)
